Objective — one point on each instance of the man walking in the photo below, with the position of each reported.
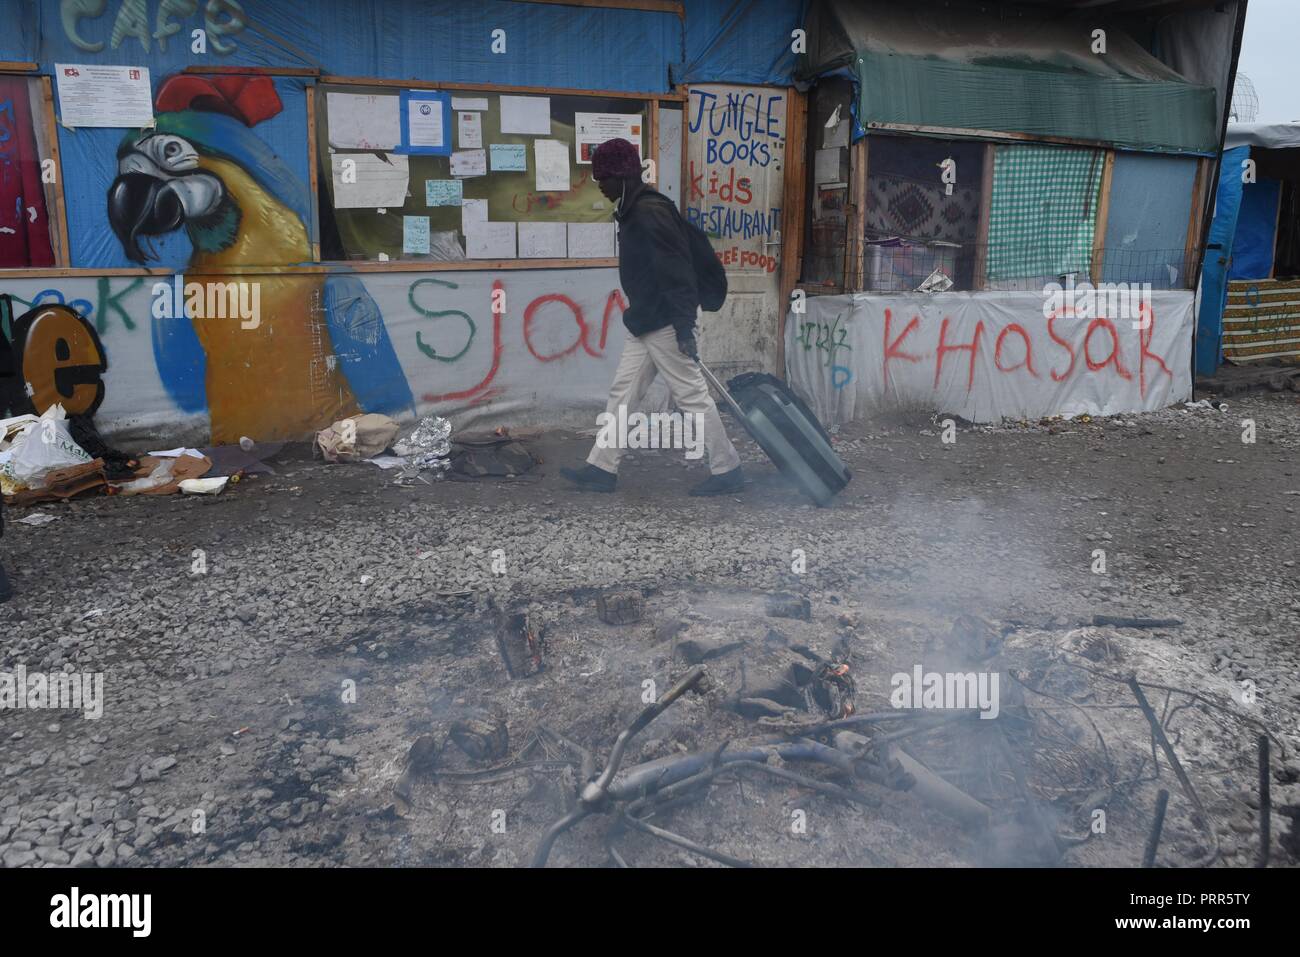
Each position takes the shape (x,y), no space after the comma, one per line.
(656,272)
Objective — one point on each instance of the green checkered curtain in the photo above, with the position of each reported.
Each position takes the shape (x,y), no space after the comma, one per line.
(1043,210)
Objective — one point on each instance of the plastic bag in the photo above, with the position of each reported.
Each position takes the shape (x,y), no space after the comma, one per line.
(39,449)
(160,476)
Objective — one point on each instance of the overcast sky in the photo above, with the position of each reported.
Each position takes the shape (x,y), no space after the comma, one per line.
(1270,56)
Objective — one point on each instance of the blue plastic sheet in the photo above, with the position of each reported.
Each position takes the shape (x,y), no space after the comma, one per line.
(545,45)
(1253,242)
(741,41)
(1214,272)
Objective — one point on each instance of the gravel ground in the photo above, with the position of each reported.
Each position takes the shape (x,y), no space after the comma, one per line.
(271,655)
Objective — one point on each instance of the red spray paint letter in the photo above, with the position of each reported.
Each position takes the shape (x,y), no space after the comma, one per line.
(891,348)
(973,347)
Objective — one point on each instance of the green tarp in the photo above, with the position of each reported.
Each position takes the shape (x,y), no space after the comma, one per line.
(977,69)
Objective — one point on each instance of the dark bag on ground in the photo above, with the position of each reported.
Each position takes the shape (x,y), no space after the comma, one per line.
(786,429)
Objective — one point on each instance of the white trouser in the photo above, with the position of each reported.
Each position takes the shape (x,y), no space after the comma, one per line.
(642,357)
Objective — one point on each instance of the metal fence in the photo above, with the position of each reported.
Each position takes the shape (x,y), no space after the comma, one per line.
(899,264)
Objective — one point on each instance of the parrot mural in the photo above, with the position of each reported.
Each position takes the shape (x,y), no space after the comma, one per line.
(319,350)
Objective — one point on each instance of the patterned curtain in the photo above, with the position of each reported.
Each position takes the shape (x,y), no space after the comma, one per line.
(914,209)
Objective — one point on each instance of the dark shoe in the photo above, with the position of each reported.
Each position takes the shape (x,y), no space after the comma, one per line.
(723,484)
(591,479)
(5,591)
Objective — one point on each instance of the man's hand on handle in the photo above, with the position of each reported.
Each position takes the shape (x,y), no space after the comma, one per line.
(688,348)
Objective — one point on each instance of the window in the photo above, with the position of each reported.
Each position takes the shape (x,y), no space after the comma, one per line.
(914,224)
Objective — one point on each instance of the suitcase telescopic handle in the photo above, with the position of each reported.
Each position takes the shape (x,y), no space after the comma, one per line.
(722,390)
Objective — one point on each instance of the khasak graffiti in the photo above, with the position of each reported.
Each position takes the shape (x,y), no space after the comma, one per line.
(985,356)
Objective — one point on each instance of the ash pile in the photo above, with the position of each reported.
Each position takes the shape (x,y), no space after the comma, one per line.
(778,731)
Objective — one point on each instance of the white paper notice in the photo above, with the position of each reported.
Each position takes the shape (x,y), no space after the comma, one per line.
(424,124)
(472,211)
(591,241)
(490,241)
(592,129)
(552,165)
(827,166)
(364,181)
(469,163)
(526,114)
(470,126)
(364,121)
(104,95)
(837,134)
(542,240)
(478,104)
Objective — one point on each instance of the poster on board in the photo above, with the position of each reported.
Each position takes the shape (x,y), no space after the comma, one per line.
(114,96)
(592,129)
(426,122)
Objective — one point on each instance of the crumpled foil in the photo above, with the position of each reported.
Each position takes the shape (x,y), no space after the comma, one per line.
(427,447)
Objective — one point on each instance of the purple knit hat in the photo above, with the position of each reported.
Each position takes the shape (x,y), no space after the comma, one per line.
(616,157)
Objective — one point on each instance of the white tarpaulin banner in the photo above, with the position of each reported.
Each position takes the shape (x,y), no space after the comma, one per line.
(986,356)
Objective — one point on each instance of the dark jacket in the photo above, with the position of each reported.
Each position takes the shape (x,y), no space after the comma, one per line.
(655,266)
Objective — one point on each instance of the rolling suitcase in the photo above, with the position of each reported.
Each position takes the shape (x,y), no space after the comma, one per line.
(785,428)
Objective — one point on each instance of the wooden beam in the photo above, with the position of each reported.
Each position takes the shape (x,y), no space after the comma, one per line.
(313,160)
(1191,254)
(255,70)
(982,236)
(1277,221)
(962,133)
(470,265)
(651,139)
(1103,217)
(62,241)
(16,66)
(413,84)
(794,209)
(686,151)
(857,238)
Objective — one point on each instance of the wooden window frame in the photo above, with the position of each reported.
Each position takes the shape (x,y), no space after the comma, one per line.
(650,146)
(56,203)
